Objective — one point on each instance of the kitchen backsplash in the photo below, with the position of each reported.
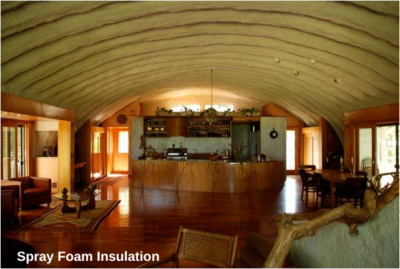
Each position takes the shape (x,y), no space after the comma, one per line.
(201,145)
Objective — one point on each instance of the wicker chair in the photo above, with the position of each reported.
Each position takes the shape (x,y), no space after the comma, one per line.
(209,248)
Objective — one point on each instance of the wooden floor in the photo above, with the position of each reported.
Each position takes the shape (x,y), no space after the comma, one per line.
(148,221)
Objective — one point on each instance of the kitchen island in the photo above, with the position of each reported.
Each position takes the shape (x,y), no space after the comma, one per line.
(208,176)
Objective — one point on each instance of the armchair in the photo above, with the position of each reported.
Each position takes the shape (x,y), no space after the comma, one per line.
(33,191)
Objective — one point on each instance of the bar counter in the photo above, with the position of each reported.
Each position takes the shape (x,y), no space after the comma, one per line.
(208,176)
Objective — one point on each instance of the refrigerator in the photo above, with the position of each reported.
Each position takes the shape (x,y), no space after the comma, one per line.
(249,133)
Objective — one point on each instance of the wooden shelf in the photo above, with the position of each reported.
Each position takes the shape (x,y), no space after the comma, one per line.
(197,127)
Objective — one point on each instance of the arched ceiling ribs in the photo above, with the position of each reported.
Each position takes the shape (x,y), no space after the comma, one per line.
(95,57)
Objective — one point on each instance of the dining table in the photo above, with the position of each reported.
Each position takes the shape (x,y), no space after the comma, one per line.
(333,176)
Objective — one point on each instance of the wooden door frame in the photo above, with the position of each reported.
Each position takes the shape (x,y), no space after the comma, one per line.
(115,137)
(27,141)
(356,160)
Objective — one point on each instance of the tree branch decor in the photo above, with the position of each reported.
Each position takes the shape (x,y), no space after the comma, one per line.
(311,223)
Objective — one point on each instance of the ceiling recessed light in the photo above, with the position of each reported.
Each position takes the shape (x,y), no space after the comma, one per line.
(277,60)
(313,61)
(337,80)
(296,73)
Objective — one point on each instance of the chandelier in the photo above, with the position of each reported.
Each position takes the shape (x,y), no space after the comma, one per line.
(211,113)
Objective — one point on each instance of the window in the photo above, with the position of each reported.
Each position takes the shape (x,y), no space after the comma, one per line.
(221,108)
(180,107)
(123,142)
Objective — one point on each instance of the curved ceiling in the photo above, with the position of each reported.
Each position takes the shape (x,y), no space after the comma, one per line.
(311,58)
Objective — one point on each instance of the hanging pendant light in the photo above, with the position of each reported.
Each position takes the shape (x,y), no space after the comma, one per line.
(211,113)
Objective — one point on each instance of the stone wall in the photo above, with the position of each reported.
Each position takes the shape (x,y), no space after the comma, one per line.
(375,245)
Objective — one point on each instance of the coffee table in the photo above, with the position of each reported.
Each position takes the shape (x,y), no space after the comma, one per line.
(77,199)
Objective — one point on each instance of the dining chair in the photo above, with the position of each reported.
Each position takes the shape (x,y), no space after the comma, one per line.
(361,173)
(209,248)
(308,167)
(308,184)
(323,189)
(351,191)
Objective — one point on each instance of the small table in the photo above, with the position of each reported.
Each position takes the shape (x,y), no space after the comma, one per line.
(78,202)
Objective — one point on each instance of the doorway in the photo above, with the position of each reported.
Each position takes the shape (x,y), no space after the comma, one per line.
(13,150)
(119,141)
(290,151)
(378,148)
(98,170)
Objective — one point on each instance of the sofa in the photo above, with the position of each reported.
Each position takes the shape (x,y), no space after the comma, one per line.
(33,191)
(9,203)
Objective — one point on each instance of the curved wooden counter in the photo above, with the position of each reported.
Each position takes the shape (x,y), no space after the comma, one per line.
(208,176)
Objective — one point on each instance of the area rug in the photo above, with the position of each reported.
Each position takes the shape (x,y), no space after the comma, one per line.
(107,181)
(56,221)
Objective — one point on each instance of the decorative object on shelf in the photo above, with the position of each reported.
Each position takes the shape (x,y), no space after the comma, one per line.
(47,151)
(149,152)
(228,111)
(249,111)
(238,151)
(64,191)
(122,119)
(211,115)
(273,134)
(163,111)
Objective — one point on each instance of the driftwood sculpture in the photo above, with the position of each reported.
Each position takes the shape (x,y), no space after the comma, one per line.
(310,224)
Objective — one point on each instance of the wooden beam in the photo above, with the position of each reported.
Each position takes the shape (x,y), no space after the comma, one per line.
(19,105)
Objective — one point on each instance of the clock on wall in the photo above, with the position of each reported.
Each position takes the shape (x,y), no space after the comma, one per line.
(122,119)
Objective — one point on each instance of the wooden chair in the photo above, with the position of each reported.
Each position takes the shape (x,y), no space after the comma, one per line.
(308,167)
(351,191)
(209,248)
(323,189)
(361,173)
(308,184)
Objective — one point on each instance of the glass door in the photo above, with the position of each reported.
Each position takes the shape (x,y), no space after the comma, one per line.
(9,152)
(13,150)
(387,150)
(366,158)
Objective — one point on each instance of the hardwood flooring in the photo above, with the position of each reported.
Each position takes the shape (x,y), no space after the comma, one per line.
(148,221)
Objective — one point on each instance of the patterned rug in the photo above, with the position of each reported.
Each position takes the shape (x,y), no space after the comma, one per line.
(107,181)
(56,221)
